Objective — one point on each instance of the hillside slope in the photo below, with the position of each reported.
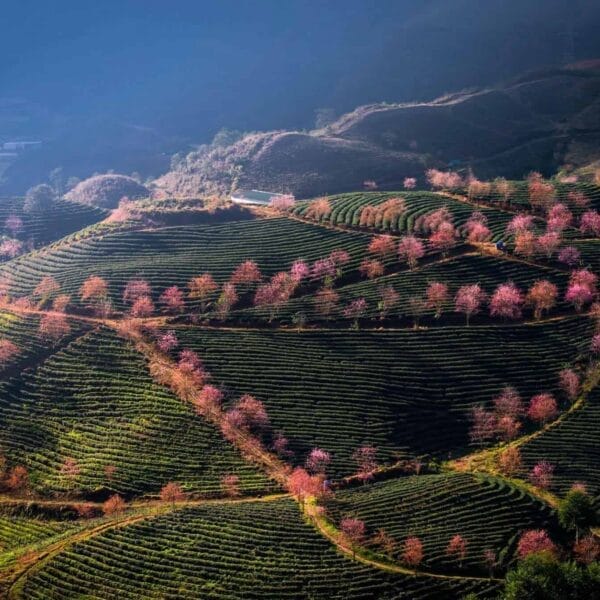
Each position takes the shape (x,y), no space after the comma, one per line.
(536,123)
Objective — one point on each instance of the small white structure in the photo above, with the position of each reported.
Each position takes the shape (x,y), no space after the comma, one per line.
(255,197)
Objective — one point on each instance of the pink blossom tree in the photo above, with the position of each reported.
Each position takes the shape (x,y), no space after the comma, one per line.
(61,302)
(94,291)
(443,238)
(548,243)
(230,484)
(136,288)
(142,307)
(505,189)
(11,248)
(318,461)
(578,198)
(8,350)
(582,288)
(469,299)
(281,446)
(410,250)
(477,188)
(253,412)
(409,183)
(354,530)
(433,220)
(382,245)
(299,271)
(542,474)
(246,274)
(542,297)
(578,295)
(587,550)
(326,301)
(323,269)
(586,278)
(509,403)
(508,427)
(226,300)
(541,193)
(525,244)
(542,408)
(302,485)
(477,232)
(172,300)
(339,258)
(365,458)
(412,554)
(506,301)
(319,209)
(510,462)
(201,288)
(483,425)
(457,548)
(589,223)
(389,298)
(437,295)
(208,401)
(519,224)
(355,310)
(559,218)
(46,287)
(167,341)
(443,180)
(371,269)
(534,541)
(54,326)
(14,225)
(569,255)
(569,383)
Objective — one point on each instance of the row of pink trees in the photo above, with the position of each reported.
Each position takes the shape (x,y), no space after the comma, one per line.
(503,421)
(354,531)
(507,301)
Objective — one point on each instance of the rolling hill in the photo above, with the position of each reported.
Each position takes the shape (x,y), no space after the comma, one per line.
(181,416)
(537,122)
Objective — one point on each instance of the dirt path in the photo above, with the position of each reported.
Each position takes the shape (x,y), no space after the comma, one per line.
(486,460)
(329,531)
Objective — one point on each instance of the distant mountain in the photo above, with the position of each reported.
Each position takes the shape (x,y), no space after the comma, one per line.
(538,122)
(79,146)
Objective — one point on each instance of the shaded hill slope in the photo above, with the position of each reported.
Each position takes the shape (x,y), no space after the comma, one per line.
(537,122)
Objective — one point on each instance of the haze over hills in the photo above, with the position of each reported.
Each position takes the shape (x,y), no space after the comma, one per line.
(115,88)
(539,122)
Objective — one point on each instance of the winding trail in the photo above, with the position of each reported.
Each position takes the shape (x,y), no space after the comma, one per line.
(336,537)
(486,460)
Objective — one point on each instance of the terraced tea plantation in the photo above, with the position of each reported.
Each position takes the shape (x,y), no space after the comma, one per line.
(347,208)
(260,550)
(94,402)
(486,512)
(278,425)
(173,255)
(404,392)
(45,226)
(471,268)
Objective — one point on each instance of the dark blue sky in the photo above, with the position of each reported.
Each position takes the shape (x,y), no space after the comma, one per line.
(190,67)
